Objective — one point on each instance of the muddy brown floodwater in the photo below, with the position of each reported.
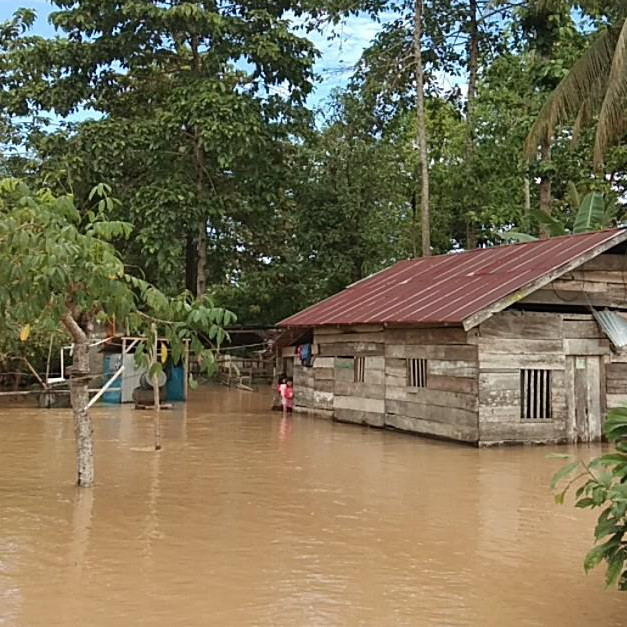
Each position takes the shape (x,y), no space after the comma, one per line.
(248,519)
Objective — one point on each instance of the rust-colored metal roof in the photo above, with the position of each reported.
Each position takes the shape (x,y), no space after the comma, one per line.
(449,289)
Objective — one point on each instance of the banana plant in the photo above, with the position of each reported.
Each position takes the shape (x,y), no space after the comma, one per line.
(592,214)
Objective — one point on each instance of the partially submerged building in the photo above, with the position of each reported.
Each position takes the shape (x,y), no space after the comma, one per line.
(488,346)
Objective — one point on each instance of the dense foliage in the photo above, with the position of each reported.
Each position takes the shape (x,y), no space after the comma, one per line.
(199,116)
(59,267)
(602,484)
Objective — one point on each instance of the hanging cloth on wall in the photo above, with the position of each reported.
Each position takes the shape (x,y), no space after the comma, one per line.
(304,354)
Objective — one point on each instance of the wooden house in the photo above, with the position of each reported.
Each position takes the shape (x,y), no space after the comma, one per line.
(496,345)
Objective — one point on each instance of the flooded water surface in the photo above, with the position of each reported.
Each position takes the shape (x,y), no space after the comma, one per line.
(248,519)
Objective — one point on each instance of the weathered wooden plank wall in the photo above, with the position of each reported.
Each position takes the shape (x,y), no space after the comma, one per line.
(515,340)
(507,343)
(448,406)
(353,401)
(324,385)
(599,282)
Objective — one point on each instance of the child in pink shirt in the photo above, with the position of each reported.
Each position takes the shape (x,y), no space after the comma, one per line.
(287,395)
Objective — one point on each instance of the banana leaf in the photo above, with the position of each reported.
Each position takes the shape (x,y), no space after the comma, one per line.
(591,214)
(517,237)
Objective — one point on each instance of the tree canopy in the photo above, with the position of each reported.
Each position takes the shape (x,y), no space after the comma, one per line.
(238,184)
(198,118)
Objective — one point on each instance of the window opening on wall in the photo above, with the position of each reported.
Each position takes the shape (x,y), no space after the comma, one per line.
(417,373)
(360,369)
(535,394)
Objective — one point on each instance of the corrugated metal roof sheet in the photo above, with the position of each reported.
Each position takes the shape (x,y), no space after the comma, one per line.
(448,289)
(613,325)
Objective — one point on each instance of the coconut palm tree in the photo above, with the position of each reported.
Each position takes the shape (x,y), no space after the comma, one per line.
(596,84)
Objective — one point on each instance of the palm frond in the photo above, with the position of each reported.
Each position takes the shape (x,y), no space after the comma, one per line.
(611,122)
(587,76)
(589,106)
(552,225)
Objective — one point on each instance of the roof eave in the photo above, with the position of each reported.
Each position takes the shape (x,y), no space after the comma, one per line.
(511,299)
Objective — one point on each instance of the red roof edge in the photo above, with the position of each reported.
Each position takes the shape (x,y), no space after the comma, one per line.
(458,288)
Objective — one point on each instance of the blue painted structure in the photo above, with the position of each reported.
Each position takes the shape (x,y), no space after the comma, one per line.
(175,386)
(111,364)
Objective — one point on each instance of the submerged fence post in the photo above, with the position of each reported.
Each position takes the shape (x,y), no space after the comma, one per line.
(155,388)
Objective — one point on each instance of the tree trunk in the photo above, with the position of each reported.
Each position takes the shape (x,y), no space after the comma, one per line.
(191,264)
(473,69)
(201,251)
(422,132)
(201,278)
(545,185)
(199,165)
(155,390)
(414,222)
(357,273)
(527,202)
(79,397)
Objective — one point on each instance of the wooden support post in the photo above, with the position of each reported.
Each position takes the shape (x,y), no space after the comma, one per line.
(186,371)
(155,389)
(49,357)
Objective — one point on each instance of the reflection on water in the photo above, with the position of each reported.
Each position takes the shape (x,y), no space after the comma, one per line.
(250,518)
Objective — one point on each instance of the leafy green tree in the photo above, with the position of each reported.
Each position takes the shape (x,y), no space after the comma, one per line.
(602,484)
(396,72)
(347,213)
(194,96)
(200,127)
(58,264)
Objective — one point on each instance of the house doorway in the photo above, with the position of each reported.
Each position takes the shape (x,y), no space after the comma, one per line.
(586,397)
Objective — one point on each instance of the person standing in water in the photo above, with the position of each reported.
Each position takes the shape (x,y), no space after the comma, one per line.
(277,402)
(287,395)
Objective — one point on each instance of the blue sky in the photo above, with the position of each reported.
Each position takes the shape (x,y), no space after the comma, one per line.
(335,65)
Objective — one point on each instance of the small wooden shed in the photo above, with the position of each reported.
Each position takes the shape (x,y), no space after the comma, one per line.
(488,346)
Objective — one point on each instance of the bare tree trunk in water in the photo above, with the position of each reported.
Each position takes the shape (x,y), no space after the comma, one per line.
(81,527)
(199,164)
(79,397)
(422,132)
(473,69)
(155,390)
(545,186)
